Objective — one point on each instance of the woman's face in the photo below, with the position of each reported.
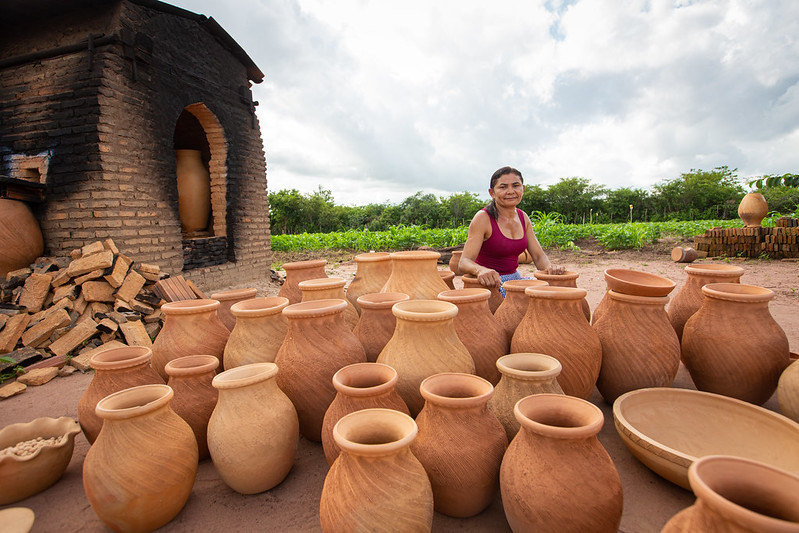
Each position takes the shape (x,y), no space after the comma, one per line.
(508,190)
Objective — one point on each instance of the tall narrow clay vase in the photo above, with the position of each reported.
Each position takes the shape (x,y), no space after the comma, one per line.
(454,262)
(300,271)
(556,453)
(376,484)
(752,209)
(359,386)
(689,298)
(554,324)
(318,343)
(460,443)
(191,327)
(496,299)
(259,331)
(424,343)
(480,332)
(788,389)
(227,299)
(195,398)
(194,190)
(567,279)
(139,472)
(253,430)
(733,346)
(371,273)
(21,239)
(738,495)
(115,369)
(325,289)
(377,322)
(415,273)
(514,306)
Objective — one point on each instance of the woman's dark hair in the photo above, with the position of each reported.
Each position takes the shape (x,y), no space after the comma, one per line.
(492,207)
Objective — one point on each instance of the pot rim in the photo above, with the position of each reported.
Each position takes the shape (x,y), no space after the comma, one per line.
(320,284)
(547,367)
(518,285)
(380,420)
(135,401)
(415,255)
(372,257)
(45,427)
(581,419)
(737,292)
(234,294)
(446,274)
(121,357)
(567,275)
(315,308)
(300,265)
(190,307)
(257,307)
(244,375)
(548,292)
(456,390)
(380,378)
(381,300)
(424,310)
(463,296)
(191,365)
(715,270)
(638,299)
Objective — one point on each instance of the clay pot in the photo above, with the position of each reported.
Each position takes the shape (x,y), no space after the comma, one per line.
(253,430)
(115,369)
(377,322)
(191,327)
(567,279)
(513,307)
(194,191)
(525,258)
(788,389)
(637,283)
(639,347)
(259,332)
(424,343)
(689,298)
(415,273)
(376,482)
(752,209)
(359,386)
(448,277)
(326,289)
(141,469)
(227,299)
(556,452)
(300,271)
(523,374)
(318,343)
(496,298)
(195,398)
(21,239)
(738,495)
(733,346)
(554,324)
(460,443)
(371,273)
(480,332)
(454,261)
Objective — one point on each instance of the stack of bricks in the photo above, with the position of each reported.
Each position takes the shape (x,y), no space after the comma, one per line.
(779,242)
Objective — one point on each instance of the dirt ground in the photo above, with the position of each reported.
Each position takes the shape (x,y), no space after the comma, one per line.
(649,501)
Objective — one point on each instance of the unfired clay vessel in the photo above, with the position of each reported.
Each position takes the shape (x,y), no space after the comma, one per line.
(194,190)
(788,389)
(454,261)
(195,398)
(259,331)
(299,271)
(567,279)
(227,299)
(415,273)
(377,322)
(325,289)
(752,209)
(514,306)
(496,299)
(448,277)
(371,273)
(21,239)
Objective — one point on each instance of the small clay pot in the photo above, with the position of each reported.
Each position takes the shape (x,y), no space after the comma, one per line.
(195,398)
(371,273)
(454,262)
(377,322)
(328,288)
(753,209)
(448,277)
(494,301)
(227,299)
(567,279)
(259,332)
(299,271)
(415,273)
(514,306)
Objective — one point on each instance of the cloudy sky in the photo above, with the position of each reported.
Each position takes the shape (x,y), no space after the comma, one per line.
(375,100)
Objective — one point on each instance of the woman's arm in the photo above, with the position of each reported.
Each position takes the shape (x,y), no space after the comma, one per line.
(479,231)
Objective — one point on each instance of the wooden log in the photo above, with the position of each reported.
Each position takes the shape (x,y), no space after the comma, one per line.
(683,254)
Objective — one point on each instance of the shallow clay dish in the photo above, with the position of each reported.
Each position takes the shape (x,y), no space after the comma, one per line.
(668,429)
(637,283)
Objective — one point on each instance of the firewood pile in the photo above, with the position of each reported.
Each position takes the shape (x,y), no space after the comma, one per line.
(779,242)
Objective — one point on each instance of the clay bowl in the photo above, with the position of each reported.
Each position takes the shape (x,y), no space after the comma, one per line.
(26,475)
(668,429)
(637,283)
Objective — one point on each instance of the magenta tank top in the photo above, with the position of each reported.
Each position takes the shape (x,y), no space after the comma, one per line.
(499,252)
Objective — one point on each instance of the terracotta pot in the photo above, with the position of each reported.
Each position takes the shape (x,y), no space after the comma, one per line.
(752,209)
(318,343)
(567,279)
(639,347)
(377,322)
(376,480)
(523,374)
(141,469)
(738,495)
(424,343)
(733,346)
(556,452)
(21,239)
(454,261)
(689,298)
(554,324)
(359,386)
(227,299)
(496,299)
(513,307)
(194,191)
(253,431)
(637,283)
(115,369)
(480,332)
(448,277)
(326,289)
(372,271)
(300,271)
(259,332)
(601,307)
(195,398)
(525,258)
(191,327)
(788,389)
(460,443)
(415,273)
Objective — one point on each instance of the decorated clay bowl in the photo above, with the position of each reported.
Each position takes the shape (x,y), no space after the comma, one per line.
(668,429)
(637,283)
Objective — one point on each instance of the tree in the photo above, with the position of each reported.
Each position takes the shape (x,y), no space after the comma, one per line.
(701,194)
(574,197)
(535,199)
(616,205)
(421,209)
(458,209)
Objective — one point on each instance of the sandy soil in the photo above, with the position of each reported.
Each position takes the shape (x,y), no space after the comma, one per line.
(649,501)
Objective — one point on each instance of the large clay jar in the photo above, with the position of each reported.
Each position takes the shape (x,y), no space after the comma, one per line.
(140,471)
(259,332)
(454,262)
(371,273)
(523,374)
(415,273)
(514,306)
(733,346)
(567,279)
(300,271)
(253,430)
(115,369)
(554,324)
(689,298)
(788,389)
(227,299)
(194,191)
(738,495)
(639,347)
(191,327)
(479,331)
(376,484)
(21,239)
(424,343)
(326,289)
(752,209)
(359,386)
(195,398)
(460,443)
(556,453)
(496,298)
(318,344)
(377,322)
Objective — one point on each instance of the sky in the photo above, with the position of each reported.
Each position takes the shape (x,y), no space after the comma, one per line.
(375,100)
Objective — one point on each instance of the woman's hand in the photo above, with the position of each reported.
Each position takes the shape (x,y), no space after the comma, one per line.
(555,270)
(489,277)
